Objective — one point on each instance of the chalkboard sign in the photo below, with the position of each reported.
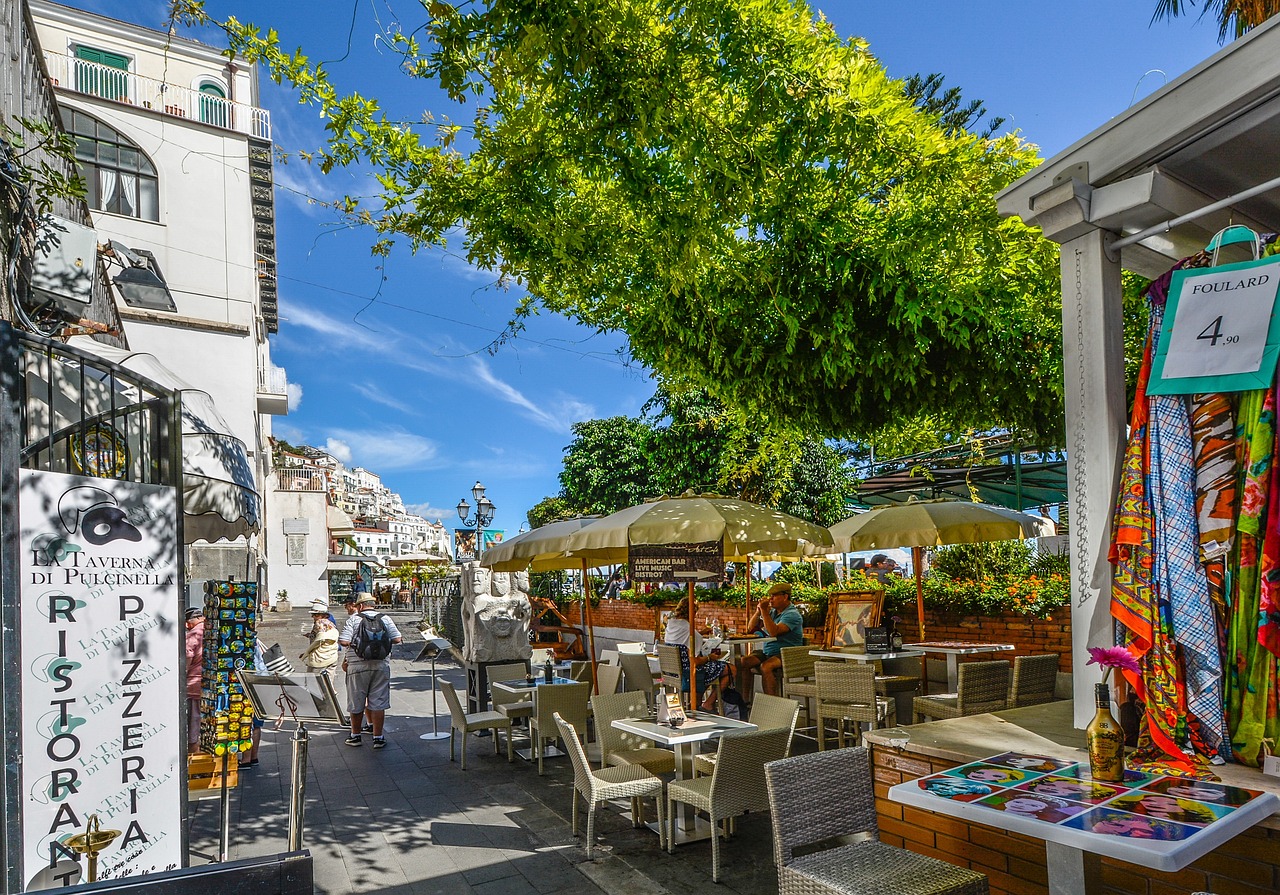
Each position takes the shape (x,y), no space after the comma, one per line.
(878,639)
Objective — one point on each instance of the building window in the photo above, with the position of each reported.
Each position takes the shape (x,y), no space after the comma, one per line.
(214,108)
(120,179)
(102,73)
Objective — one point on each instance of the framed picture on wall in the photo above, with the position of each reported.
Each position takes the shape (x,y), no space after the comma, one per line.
(849,615)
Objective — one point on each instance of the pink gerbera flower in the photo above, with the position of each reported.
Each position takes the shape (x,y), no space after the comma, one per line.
(1109,657)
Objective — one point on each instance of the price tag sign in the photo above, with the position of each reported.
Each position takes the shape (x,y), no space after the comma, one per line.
(1219,332)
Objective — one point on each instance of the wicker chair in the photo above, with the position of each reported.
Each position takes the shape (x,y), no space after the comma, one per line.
(513,705)
(767,713)
(580,671)
(1034,680)
(617,747)
(567,700)
(461,722)
(847,692)
(982,687)
(621,782)
(736,787)
(636,672)
(899,679)
(672,667)
(608,677)
(798,677)
(818,797)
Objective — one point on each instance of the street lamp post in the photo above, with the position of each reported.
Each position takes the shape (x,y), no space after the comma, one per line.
(484,509)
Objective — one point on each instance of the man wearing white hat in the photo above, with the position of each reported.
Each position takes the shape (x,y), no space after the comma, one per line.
(369,635)
(322,653)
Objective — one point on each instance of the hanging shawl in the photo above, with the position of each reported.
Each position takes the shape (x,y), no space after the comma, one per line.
(1133,597)
(1250,669)
(1217,493)
(1160,594)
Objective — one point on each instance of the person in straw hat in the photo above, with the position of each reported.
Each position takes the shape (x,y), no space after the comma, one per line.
(322,653)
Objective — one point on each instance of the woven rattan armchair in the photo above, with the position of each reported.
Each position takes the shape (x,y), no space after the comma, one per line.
(1034,680)
(567,700)
(513,705)
(636,672)
(608,677)
(735,788)
(982,687)
(818,797)
(798,681)
(847,692)
(617,747)
(629,781)
(767,713)
(461,722)
(670,667)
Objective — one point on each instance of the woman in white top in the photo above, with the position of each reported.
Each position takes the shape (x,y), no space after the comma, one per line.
(709,668)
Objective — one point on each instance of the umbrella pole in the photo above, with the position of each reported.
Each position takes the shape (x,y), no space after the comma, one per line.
(693,671)
(917,563)
(591,628)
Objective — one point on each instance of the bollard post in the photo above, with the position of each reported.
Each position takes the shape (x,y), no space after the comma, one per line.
(298,791)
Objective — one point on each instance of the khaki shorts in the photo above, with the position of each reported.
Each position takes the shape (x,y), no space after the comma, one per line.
(368,687)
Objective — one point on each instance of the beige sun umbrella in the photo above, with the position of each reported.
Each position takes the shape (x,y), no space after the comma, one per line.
(934,523)
(544,550)
(746,528)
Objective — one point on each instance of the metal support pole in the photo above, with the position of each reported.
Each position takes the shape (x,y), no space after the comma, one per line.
(298,789)
(435,714)
(224,805)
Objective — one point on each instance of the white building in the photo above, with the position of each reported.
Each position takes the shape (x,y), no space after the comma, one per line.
(177,157)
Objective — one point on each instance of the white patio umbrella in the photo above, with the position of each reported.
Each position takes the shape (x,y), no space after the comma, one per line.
(934,523)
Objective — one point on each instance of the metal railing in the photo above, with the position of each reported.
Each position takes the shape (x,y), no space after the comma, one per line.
(304,479)
(273,381)
(118,85)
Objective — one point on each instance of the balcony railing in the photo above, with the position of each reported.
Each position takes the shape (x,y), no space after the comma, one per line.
(122,86)
(273,391)
(300,479)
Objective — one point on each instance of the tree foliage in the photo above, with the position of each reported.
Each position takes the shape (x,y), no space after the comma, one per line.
(1235,17)
(690,442)
(747,195)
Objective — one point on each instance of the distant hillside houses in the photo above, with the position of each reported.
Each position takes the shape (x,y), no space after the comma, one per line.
(382,526)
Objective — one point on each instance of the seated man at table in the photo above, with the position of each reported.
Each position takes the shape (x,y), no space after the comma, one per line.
(774,617)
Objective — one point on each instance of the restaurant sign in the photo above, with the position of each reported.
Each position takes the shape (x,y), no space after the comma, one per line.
(100,633)
(697,561)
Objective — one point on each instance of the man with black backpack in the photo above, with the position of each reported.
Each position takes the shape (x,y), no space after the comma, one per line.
(368,638)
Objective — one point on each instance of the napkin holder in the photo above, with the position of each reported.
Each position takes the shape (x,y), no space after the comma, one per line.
(670,708)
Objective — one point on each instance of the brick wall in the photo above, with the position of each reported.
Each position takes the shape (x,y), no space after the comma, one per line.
(1029,635)
(1015,864)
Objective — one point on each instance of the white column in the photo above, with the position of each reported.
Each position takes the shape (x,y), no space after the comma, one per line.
(1093,354)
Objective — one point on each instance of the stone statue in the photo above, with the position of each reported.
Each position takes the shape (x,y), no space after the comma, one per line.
(495,615)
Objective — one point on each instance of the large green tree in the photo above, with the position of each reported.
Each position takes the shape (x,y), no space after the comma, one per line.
(746,194)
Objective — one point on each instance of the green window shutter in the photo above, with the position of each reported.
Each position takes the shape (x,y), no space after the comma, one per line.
(91,79)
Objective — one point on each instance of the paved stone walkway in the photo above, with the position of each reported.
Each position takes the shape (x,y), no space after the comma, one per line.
(405,820)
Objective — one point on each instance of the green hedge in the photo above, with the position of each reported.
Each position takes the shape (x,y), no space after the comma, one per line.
(1032,594)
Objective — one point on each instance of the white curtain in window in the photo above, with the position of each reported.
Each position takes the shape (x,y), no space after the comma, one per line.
(129,193)
(106,187)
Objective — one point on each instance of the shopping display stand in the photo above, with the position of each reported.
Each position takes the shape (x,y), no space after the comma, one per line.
(434,646)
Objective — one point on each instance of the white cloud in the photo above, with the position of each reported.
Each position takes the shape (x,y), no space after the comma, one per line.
(431,513)
(383,450)
(294,395)
(291,434)
(378,396)
(339,449)
(556,415)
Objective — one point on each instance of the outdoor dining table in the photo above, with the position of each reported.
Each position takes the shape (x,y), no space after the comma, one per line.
(953,649)
(741,644)
(526,685)
(864,656)
(1084,818)
(688,827)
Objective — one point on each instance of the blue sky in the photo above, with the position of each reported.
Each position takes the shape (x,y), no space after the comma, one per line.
(388,360)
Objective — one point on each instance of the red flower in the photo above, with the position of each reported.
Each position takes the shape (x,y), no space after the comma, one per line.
(1110,657)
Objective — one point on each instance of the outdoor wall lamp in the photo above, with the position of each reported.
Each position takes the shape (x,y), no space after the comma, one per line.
(484,508)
